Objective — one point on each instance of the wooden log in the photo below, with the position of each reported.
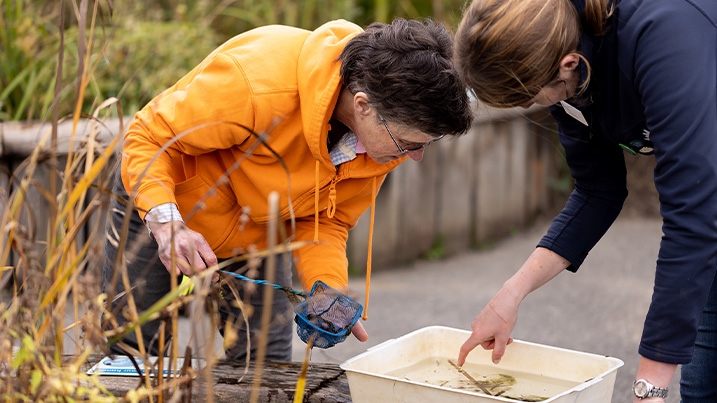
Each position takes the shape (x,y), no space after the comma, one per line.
(325,383)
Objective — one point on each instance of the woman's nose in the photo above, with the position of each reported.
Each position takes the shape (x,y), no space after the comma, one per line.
(416,155)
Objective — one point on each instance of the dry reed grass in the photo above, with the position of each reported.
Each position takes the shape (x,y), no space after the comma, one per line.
(53,263)
(54,270)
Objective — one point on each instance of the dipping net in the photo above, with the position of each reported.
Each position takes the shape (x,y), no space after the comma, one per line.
(327,315)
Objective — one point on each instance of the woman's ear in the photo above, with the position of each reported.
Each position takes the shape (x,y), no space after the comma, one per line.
(361,104)
(570,62)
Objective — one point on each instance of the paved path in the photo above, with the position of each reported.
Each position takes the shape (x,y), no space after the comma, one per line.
(600,309)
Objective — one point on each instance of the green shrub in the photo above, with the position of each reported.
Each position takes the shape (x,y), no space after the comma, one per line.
(28,44)
(142,58)
(132,61)
(140,48)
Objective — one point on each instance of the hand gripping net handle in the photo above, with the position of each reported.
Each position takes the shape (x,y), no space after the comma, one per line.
(327,315)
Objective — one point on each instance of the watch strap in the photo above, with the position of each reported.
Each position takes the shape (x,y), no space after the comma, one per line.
(657,392)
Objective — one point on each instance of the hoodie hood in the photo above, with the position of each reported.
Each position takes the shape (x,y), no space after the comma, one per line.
(317,104)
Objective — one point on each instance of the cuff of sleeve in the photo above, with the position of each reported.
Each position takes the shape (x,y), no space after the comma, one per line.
(163,213)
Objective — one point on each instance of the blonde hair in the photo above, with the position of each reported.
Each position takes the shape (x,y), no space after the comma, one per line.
(508,50)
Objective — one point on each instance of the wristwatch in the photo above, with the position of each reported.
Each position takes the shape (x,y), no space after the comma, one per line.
(643,389)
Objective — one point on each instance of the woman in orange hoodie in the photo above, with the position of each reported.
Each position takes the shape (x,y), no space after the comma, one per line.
(319,116)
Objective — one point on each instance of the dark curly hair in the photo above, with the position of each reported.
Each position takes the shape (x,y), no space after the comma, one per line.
(405,68)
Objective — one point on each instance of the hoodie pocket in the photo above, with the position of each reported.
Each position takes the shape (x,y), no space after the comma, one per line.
(207,208)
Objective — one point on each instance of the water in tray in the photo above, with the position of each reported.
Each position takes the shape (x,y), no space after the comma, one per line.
(489,380)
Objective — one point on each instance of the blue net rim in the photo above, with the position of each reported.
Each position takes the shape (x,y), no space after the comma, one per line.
(305,323)
(344,332)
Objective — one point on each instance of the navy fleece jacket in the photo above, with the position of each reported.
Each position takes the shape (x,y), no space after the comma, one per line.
(654,77)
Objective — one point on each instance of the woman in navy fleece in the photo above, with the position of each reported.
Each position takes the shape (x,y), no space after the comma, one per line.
(621,77)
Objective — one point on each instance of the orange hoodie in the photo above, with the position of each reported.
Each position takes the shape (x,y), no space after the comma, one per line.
(186,147)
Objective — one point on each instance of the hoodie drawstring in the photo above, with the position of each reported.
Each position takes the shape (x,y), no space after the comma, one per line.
(331,210)
(332,200)
(370,247)
(330,213)
(316,202)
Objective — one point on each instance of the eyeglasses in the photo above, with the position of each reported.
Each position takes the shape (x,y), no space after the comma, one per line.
(404,150)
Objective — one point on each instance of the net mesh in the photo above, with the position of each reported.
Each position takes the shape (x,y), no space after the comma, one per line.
(327,315)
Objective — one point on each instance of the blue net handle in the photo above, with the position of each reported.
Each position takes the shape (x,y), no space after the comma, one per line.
(264,282)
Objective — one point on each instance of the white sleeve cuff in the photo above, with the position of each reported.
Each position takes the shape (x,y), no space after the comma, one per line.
(163,213)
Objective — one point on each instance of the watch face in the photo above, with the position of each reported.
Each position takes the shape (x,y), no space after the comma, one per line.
(641,389)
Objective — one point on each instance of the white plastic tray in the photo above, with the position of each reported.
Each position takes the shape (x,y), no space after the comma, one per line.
(416,368)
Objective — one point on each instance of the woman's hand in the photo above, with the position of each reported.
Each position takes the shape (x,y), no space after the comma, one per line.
(492,327)
(192,252)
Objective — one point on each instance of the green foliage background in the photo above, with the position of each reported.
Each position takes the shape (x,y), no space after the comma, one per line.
(138,48)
